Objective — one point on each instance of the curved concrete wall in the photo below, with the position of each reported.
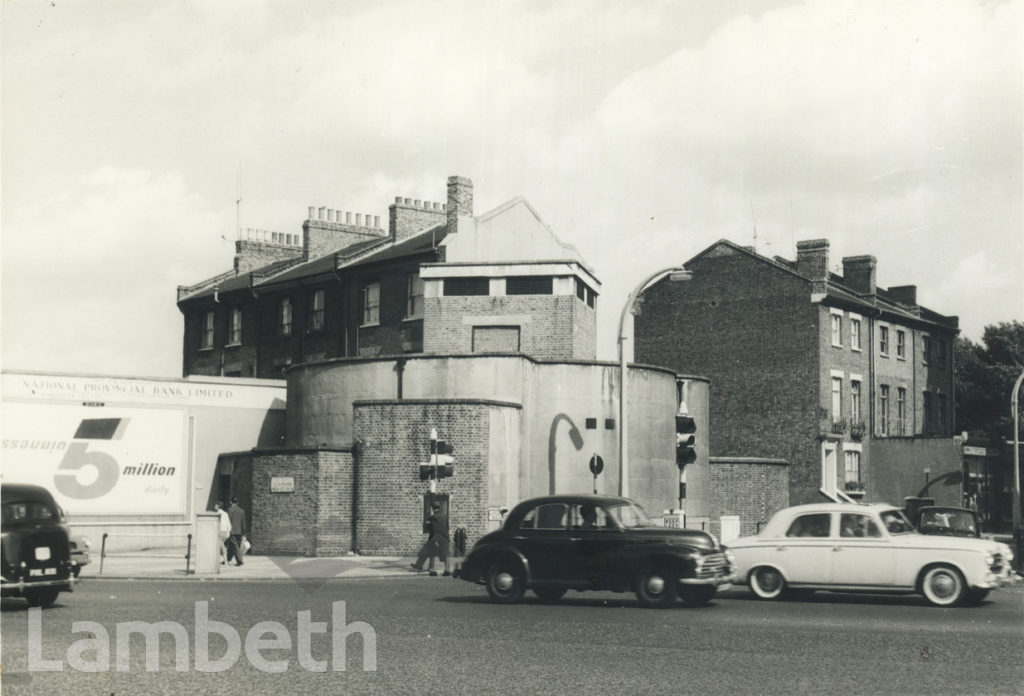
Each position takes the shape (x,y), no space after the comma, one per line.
(570,414)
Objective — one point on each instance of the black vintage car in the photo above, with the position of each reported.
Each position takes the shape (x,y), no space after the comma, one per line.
(582,542)
(36,561)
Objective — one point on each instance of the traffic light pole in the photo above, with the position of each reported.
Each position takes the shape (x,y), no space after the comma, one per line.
(675,273)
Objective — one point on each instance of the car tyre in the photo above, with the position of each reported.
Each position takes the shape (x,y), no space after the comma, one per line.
(767,582)
(42,598)
(943,586)
(505,581)
(549,595)
(697,596)
(655,587)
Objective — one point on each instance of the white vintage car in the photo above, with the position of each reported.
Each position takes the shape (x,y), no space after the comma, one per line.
(850,547)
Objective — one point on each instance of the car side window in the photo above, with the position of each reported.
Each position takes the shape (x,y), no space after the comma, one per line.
(588,516)
(550,516)
(855,525)
(816,525)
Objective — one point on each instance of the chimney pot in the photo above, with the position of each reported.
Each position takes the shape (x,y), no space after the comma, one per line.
(312,213)
(376,222)
(321,213)
(359,219)
(406,201)
(348,218)
(398,199)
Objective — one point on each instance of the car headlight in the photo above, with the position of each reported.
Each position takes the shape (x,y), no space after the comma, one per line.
(989,559)
(730,557)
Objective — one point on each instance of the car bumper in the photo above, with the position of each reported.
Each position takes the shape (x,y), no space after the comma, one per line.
(721,580)
(16,588)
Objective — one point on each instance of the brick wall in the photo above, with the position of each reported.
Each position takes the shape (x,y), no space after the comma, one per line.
(548,328)
(250,255)
(393,438)
(749,487)
(315,519)
(751,329)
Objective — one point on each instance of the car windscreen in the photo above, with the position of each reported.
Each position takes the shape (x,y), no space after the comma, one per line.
(896,522)
(629,515)
(27,511)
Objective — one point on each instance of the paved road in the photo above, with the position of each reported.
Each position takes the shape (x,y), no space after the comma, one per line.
(437,635)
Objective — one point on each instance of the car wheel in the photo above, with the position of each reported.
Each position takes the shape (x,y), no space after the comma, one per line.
(697,596)
(656,588)
(505,581)
(767,583)
(943,586)
(549,594)
(42,598)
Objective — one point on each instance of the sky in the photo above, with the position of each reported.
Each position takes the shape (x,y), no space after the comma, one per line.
(641,131)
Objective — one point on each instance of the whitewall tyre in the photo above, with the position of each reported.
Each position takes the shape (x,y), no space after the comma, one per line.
(767,582)
(943,586)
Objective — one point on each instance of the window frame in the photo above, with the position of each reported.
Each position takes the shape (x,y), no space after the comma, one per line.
(837,399)
(516,286)
(837,330)
(883,410)
(901,344)
(883,341)
(206,331)
(855,401)
(854,334)
(317,310)
(901,410)
(468,286)
(235,327)
(414,288)
(285,317)
(370,314)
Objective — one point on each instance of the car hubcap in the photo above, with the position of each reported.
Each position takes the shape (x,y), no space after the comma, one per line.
(655,585)
(768,581)
(943,586)
(504,581)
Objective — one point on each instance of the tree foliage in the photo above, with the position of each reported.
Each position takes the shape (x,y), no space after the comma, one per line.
(985,375)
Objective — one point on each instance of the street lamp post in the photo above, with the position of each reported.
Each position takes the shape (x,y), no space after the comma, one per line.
(1015,508)
(675,273)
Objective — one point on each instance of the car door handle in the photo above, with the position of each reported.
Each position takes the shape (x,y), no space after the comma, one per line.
(781,548)
(575,538)
(837,548)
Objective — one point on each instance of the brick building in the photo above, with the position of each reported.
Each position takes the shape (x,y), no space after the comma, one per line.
(479,327)
(850,383)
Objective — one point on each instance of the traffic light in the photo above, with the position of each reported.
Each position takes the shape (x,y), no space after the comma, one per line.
(685,441)
(444,459)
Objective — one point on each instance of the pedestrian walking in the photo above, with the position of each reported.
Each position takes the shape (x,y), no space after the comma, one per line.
(437,541)
(223,530)
(237,517)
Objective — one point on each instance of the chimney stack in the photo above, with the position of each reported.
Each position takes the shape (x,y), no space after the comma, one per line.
(812,259)
(859,274)
(904,294)
(460,201)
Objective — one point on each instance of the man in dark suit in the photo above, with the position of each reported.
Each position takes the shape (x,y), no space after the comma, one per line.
(437,542)
(237,517)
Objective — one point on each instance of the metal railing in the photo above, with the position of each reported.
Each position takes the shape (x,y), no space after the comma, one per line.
(188,549)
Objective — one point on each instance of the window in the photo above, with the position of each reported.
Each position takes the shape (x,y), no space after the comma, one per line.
(316,310)
(591,298)
(927,408)
(284,321)
(940,352)
(816,525)
(883,409)
(588,516)
(837,330)
(414,295)
(851,473)
(855,334)
(454,287)
(235,327)
(837,398)
(529,285)
(371,304)
(940,414)
(901,411)
(550,516)
(855,401)
(883,340)
(581,290)
(901,345)
(206,339)
(854,525)
(926,349)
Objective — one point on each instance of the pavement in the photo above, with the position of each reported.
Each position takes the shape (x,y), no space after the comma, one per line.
(166,567)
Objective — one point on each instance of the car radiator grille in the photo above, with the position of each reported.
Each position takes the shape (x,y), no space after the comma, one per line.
(714,565)
(997,563)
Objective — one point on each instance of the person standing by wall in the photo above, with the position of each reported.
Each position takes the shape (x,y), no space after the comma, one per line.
(437,542)
(224,530)
(237,517)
